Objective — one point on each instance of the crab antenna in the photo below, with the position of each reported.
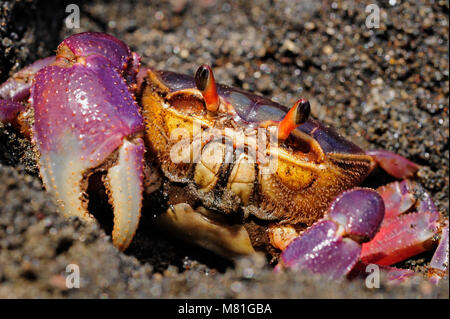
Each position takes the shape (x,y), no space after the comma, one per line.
(296,116)
(204,80)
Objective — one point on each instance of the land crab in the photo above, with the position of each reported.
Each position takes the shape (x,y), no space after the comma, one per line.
(238,172)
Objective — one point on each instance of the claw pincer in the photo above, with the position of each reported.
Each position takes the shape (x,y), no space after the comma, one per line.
(332,246)
(86,119)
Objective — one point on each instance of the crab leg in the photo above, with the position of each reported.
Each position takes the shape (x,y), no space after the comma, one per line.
(398,198)
(439,262)
(402,234)
(9,110)
(400,238)
(394,164)
(332,246)
(17,87)
(382,224)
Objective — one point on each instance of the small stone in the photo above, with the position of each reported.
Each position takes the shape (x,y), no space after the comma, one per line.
(310,26)
(328,50)
(184,54)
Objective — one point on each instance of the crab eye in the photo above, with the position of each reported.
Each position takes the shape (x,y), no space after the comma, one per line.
(302,111)
(204,80)
(296,116)
(201,77)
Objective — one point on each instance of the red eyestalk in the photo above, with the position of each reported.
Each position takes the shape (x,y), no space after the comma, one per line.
(296,116)
(204,80)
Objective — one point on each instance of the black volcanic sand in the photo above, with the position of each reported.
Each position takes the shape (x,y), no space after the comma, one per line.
(28,31)
(382,88)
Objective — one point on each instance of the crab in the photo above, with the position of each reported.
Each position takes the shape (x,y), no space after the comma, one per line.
(237,172)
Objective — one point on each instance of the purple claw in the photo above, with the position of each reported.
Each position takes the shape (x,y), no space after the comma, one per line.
(84,112)
(360,211)
(17,87)
(9,110)
(320,249)
(88,104)
(394,164)
(105,45)
(332,247)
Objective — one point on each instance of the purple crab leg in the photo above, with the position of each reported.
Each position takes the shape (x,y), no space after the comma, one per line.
(398,275)
(400,238)
(394,164)
(332,246)
(439,262)
(398,198)
(17,87)
(9,110)
(394,275)
(426,204)
(404,233)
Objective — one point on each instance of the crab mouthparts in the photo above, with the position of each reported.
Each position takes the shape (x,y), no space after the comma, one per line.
(207,229)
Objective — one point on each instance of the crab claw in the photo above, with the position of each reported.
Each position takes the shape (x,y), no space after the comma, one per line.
(409,228)
(86,119)
(332,246)
(125,184)
(394,164)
